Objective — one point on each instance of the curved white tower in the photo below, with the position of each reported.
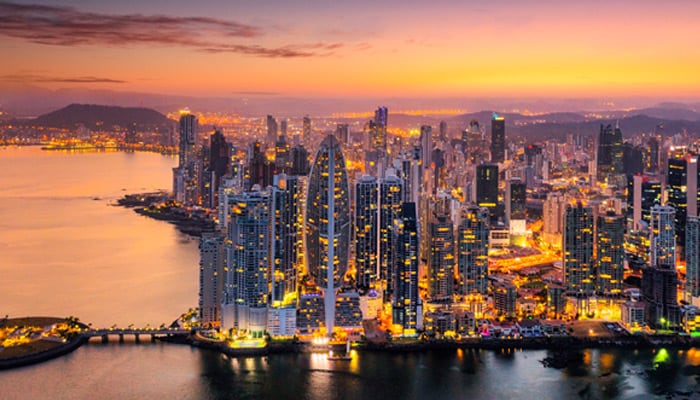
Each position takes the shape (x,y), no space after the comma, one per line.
(328,223)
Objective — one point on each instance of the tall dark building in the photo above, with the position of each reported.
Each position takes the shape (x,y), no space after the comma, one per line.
(390,199)
(443,130)
(577,250)
(342,133)
(285,216)
(300,161)
(632,159)
(378,130)
(610,152)
(440,257)
(610,254)
(219,154)
(516,200)
(652,158)
(682,186)
(306,129)
(487,187)
(272,129)
(643,194)
(473,251)
(260,170)
(283,161)
(405,305)
(366,226)
(660,291)
(498,139)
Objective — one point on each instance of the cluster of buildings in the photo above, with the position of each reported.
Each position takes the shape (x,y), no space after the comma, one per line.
(405,231)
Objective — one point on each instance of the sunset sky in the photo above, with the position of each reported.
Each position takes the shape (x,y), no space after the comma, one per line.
(357,48)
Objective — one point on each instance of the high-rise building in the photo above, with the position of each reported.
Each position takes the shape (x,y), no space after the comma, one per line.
(260,169)
(498,139)
(186,185)
(516,198)
(300,161)
(660,292)
(440,257)
(683,190)
(646,193)
(610,153)
(577,250)
(366,231)
(188,137)
(662,237)
(487,187)
(443,130)
(284,237)
(553,210)
(378,130)
(426,145)
(246,287)
(306,129)
(328,223)
(610,235)
(283,159)
(473,251)
(390,200)
(405,304)
(272,129)
(692,260)
(342,133)
(212,263)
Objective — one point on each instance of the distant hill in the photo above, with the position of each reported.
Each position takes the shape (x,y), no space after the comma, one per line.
(95,116)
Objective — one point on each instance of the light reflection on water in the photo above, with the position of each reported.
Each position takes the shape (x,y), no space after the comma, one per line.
(61,253)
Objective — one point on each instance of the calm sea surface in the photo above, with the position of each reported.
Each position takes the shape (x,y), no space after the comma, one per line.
(65,250)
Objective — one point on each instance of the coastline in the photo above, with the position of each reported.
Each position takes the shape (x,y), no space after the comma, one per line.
(159,206)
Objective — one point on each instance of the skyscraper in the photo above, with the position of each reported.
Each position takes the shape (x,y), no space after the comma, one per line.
(516,197)
(390,199)
(553,216)
(692,257)
(306,129)
(246,287)
(646,193)
(426,145)
(378,130)
(186,187)
(498,139)
(662,237)
(610,254)
(271,130)
(405,304)
(487,187)
(683,191)
(284,232)
(212,262)
(440,257)
(577,250)
(609,156)
(342,133)
(366,231)
(328,223)
(473,251)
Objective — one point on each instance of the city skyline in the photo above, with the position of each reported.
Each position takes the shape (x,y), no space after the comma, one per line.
(445,49)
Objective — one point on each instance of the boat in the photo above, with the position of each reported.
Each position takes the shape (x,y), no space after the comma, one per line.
(341,357)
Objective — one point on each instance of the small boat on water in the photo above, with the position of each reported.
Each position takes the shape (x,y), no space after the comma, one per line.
(341,357)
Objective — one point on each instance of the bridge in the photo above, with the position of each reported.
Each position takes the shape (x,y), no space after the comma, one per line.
(136,333)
